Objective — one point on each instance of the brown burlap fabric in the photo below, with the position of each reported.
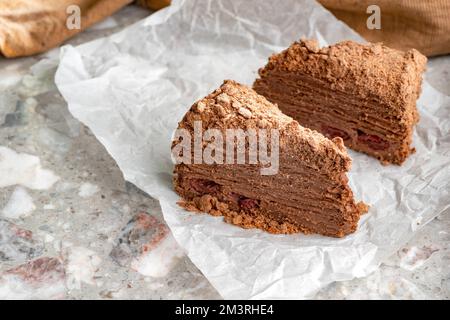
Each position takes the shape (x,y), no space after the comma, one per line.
(32,26)
(405,24)
(154,4)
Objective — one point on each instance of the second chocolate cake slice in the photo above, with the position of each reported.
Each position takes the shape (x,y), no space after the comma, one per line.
(305,190)
(365,94)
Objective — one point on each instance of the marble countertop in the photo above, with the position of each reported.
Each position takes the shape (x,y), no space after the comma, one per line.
(72,228)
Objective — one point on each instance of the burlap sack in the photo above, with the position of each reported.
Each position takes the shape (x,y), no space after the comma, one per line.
(420,24)
(154,4)
(32,26)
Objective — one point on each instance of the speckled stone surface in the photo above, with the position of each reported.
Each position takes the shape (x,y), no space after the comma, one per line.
(71,227)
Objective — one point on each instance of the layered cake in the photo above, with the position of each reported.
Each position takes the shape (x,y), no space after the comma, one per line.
(365,94)
(306,190)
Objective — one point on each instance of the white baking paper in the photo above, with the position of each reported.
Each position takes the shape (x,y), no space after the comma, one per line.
(132,88)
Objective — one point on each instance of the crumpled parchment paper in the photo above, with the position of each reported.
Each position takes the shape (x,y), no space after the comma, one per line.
(132,88)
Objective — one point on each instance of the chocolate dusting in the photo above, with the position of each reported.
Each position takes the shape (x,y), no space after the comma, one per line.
(310,192)
(365,94)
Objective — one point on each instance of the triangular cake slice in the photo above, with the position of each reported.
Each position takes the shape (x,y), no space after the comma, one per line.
(308,192)
(364,93)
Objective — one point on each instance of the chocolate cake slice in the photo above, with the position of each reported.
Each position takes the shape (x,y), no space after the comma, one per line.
(365,94)
(308,192)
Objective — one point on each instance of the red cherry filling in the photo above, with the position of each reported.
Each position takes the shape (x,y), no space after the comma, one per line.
(247,203)
(372,141)
(332,132)
(204,186)
(243,202)
(234,197)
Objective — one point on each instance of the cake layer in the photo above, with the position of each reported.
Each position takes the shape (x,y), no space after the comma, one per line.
(315,193)
(317,206)
(316,95)
(281,214)
(363,125)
